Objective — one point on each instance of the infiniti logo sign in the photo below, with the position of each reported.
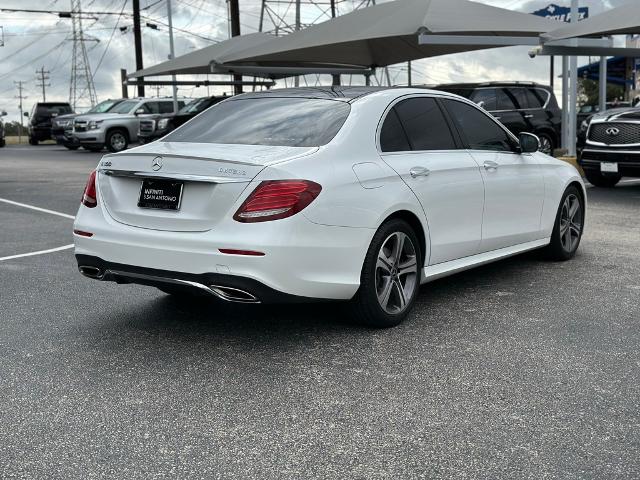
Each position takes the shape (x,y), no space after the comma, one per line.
(612,131)
(156,164)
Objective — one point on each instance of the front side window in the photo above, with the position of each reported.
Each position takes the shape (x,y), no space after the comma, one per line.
(166,107)
(485,98)
(291,122)
(104,106)
(481,132)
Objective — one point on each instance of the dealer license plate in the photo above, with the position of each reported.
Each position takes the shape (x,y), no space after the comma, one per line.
(609,167)
(160,194)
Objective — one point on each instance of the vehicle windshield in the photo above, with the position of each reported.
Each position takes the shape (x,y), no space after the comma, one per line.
(124,107)
(104,106)
(198,105)
(53,110)
(290,122)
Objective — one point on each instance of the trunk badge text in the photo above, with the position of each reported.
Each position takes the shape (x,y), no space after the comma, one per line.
(156,164)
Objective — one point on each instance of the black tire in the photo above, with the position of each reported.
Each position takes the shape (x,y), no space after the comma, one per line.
(72,147)
(2,142)
(117,140)
(568,227)
(93,148)
(547,143)
(33,141)
(376,280)
(597,179)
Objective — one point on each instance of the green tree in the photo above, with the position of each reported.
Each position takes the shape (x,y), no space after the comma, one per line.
(588,92)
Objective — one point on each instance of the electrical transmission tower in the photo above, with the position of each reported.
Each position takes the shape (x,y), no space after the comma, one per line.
(82,91)
(42,76)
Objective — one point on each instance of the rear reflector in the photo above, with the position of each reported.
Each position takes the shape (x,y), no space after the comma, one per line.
(231,251)
(82,233)
(275,199)
(89,196)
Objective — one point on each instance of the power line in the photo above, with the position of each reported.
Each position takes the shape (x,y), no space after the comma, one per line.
(42,77)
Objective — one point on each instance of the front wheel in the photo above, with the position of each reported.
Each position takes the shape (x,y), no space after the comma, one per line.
(71,147)
(117,141)
(567,230)
(390,276)
(33,141)
(597,179)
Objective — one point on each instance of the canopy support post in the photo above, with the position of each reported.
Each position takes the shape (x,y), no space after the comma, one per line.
(602,98)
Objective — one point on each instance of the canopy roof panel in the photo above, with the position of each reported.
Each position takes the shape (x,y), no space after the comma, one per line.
(621,20)
(387,33)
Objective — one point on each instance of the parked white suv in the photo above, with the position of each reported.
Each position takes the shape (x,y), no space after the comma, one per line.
(118,128)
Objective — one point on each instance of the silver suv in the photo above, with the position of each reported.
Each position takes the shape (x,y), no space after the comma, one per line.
(117,128)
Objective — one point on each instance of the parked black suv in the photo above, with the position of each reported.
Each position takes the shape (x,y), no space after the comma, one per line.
(40,119)
(612,147)
(154,128)
(520,106)
(2,140)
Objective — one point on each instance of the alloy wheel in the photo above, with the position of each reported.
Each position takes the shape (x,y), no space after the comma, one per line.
(570,223)
(396,273)
(545,145)
(118,142)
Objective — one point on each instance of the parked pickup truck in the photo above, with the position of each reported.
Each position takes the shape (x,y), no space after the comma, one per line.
(612,147)
(157,127)
(118,127)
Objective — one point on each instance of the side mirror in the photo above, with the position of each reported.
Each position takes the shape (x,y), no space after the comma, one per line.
(3,114)
(139,111)
(529,142)
(26,114)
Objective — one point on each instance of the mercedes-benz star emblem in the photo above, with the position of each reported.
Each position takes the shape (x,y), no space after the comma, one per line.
(156,164)
(613,131)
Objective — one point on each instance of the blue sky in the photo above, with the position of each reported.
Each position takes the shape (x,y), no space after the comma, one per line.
(42,40)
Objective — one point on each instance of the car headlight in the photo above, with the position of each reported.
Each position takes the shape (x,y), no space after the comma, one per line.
(162,124)
(95,124)
(584,126)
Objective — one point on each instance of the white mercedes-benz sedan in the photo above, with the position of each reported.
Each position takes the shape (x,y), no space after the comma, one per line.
(358,194)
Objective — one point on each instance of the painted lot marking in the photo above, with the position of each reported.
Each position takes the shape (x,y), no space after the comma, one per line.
(38,209)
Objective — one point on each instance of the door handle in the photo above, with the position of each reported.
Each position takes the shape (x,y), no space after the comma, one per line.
(528,116)
(419,172)
(491,165)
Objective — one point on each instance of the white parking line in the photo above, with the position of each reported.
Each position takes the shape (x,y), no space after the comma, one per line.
(30,254)
(44,210)
(38,209)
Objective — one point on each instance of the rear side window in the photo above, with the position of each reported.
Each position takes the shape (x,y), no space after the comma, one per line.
(425,124)
(481,132)
(537,98)
(291,122)
(503,100)
(392,136)
(520,95)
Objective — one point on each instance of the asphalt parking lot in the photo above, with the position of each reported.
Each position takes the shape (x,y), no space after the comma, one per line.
(521,369)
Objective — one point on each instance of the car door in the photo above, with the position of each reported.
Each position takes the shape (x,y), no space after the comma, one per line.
(418,143)
(514,183)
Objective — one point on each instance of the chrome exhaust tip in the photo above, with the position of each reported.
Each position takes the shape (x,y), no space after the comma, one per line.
(91,272)
(231,294)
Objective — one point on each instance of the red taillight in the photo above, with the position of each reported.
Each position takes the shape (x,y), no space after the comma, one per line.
(274,199)
(89,196)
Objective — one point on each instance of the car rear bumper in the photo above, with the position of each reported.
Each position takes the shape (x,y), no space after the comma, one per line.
(301,258)
(628,160)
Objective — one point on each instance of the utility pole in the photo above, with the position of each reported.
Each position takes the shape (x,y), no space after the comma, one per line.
(172,55)
(21,97)
(234,17)
(43,76)
(137,38)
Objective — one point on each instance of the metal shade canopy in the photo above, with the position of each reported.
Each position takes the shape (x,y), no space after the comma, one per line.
(387,33)
(621,20)
(198,62)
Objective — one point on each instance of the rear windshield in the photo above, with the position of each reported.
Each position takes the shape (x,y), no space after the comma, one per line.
(53,110)
(290,122)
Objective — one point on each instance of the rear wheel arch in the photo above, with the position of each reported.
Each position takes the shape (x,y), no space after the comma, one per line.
(416,224)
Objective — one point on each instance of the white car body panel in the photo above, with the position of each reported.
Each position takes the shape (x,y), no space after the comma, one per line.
(469,215)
